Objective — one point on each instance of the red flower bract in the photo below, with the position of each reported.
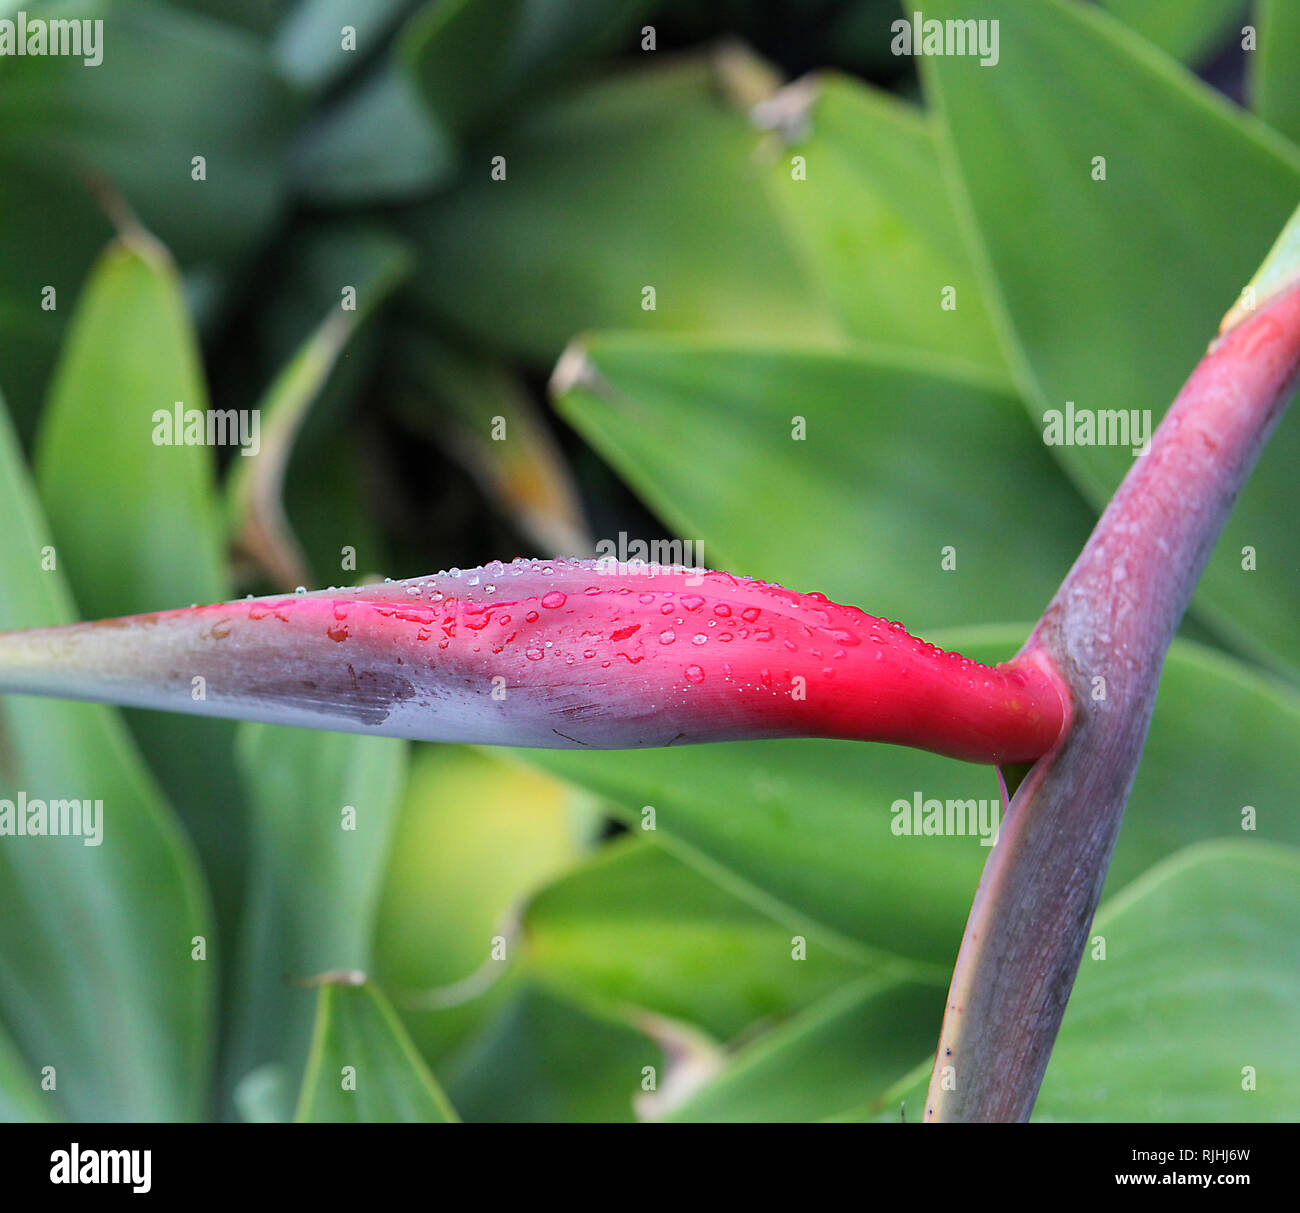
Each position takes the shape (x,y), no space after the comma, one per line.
(556,654)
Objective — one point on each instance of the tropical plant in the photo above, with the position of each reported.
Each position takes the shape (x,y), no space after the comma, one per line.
(816,333)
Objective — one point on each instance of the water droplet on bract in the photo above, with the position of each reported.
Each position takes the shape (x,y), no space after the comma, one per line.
(699,638)
(554,600)
(694,673)
(533,654)
(749,614)
(692,602)
(301,589)
(531,617)
(667,637)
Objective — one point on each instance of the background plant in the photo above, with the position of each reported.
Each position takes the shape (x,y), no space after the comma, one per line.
(776,297)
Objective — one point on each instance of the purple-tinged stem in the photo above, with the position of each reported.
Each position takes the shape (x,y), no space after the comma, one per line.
(1106,633)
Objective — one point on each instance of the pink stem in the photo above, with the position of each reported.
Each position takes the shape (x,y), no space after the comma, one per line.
(1106,631)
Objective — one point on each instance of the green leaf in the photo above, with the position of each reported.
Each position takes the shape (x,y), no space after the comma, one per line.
(309,44)
(171,86)
(376,144)
(635,928)
(1112,287)
(155,540)
(1195,999)
(1271,82)
(324,807)
(98,976)
(21,1097)
(1279,271)
(523,263)
(471,57)
(881,240)
(130,354)
(363,1067)
(1211,755)
(543,1059)
(803,829)
(852,1048)
(1186,29)
(900,458)
(475,838)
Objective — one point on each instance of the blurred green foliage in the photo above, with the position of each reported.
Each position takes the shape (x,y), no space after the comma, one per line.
(383,226)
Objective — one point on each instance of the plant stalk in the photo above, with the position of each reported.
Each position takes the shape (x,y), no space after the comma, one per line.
(1106,633)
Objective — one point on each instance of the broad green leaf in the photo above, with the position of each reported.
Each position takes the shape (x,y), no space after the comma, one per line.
(1112,287)
(259,16)
(801,830)
(376,144)
(155,539)
(309,45)
(1189,30)
(471,57)
(171,86)
(1190,1016)
(324,807)
(21,1097)
(363,1068)
(475,838)
(578,229)
(804,828)
(107,434)
(851,1048)
(1210,768)
(855,182)
(106,951)
(1271,80)
(635,928)
(543,1059)
(850,472)
(1279,271)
